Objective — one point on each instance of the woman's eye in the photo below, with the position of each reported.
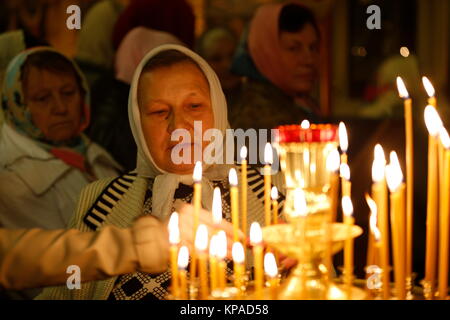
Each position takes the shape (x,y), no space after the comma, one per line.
(158,112)
(42,98)
(196,105)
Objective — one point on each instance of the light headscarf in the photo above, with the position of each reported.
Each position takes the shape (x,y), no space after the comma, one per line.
(166,183)
(18,115)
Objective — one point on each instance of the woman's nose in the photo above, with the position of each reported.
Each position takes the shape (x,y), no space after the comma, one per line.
(59,106)
(178,120)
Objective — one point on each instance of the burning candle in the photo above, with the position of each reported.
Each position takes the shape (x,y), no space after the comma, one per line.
(433,123)
(221,254)
(271,270)
(274,196)
(333,165)
(379,194)
(234,203)
(201,244)
(213,278)
(268,159)
(238,266)
(183,260)
(305,124)
(256,241)
(347,208)
(174,240)
(394,178)
(217,207)
(345,180)
(343,142)
(409,174)
(197,197)
(430,91)
(374,234)
(445,218)
(244,187)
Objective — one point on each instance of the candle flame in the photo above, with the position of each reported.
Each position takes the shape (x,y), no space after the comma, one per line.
(428,87)
(243,152)
(344,170)
(402,92)
(347,206)
(197,175)
(333,161)
(300,206)
(394,175)
(201,238)
(379,164)
(221,244)
(255,234)
(305,124)
(232,176)
(445,139)
(432,120)
(270,265)
(217,206)
(174,230)
(343,138)
(213,246)
(373,220)
(183,257)
(274,193)
(268,153)
(238,252)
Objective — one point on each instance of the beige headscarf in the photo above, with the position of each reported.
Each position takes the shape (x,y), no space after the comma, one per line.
(166,183)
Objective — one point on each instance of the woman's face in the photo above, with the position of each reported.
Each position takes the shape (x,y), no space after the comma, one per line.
(173,98)
(54,101)
(300,55)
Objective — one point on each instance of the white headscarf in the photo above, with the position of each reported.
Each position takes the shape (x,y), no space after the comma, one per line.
(166,183)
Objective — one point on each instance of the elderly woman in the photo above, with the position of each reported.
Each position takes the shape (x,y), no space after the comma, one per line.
(172,88)
(279,58)
(45,159)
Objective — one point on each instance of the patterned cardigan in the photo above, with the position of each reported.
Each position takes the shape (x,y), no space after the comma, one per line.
(119,202)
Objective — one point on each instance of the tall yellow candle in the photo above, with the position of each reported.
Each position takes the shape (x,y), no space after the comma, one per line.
(445,218)
(430,91)
(433,123)
(217,207)
(174,240)
(221,254)
(197,198)
(379,194)
(333,165)
(213,278)
(394,178)
(268,159)
(409,174)
(234,203)
(238,266)
(183,260)
(271,270)
(349,221)
(256,241)
(373,250)
(201,244)
(274,196)
(244,186)
(345,180)
(343,142)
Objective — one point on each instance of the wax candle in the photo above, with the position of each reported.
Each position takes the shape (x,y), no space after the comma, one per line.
(238,266)
(409,174)
(221,254)
(244,186)
(274,196)
(201,244)
(197,198)
(217,206)
(271,270)
(347,208)
(268,159)
(394,178)
(379,194)
(433,123)
(174,240)
(345,180)
(430,91)
(333,165)
(374,234)
(256,241)
(305,124)
(234,203)
(213,278)
(183,260)
(445,218)
(343,142)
